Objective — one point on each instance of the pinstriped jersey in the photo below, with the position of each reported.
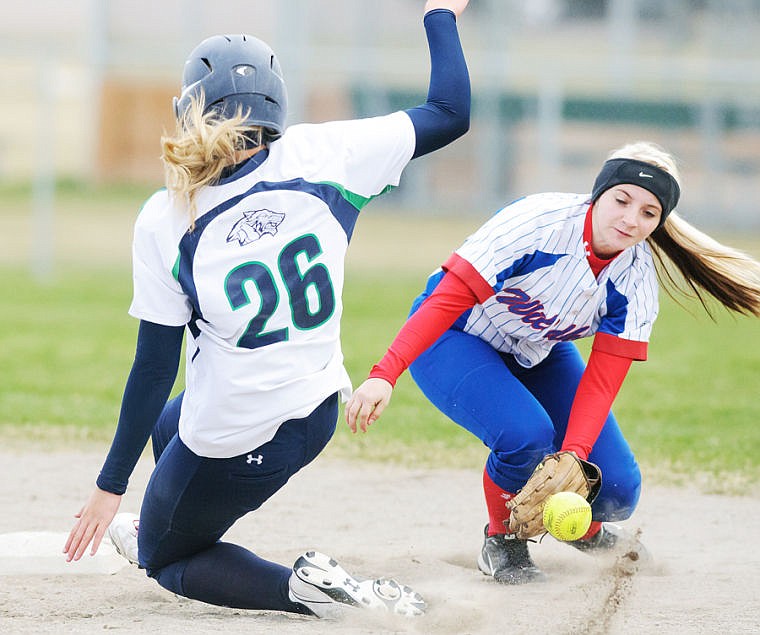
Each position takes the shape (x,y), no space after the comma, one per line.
(259,280)
(532,255)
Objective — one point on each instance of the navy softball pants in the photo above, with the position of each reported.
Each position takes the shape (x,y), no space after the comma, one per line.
(521,414)
(191,501)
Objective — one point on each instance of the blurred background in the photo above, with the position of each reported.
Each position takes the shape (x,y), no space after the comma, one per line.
(87,89)
(557,84)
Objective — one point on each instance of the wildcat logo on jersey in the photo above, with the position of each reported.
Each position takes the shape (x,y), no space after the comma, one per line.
(253,225)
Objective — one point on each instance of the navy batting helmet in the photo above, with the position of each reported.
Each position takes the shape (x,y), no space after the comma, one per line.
(236,71)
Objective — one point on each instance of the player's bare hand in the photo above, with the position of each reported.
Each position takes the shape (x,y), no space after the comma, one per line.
(367,403)
(92,521)
(457,6)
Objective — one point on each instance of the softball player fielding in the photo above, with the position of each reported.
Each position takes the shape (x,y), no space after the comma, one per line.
(244,251)
(489,341)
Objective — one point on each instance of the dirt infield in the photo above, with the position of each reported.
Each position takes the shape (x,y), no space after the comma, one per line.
(421,526)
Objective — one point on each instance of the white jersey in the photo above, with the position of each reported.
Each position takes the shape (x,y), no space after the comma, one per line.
(259,281)
(532,254)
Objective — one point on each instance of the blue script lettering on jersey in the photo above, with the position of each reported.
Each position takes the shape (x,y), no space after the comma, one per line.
(572,332)
(533,313)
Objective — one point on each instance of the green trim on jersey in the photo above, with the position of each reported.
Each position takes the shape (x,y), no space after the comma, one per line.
(357,200)
(175,268)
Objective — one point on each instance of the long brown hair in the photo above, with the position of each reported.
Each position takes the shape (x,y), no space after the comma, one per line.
(704,267)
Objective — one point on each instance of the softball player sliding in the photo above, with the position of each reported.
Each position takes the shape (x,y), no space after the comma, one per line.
(489,341)
(245,251)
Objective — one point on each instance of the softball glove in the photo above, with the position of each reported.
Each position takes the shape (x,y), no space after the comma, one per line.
(558,472)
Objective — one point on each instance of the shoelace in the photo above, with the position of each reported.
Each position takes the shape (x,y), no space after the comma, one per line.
(517,551)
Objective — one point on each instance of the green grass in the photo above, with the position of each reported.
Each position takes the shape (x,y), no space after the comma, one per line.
(411,431)
(691,412)
(66,350)
(692,408)
(694,404)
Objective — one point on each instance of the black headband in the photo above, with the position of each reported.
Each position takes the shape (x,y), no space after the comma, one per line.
(650,177)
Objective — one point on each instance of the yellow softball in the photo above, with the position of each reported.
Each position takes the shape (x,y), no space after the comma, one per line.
(567,515)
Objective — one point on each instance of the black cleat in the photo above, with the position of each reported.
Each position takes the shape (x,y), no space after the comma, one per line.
(507,559)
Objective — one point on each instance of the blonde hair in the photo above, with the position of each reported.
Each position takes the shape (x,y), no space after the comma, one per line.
(201,147)
(706,267)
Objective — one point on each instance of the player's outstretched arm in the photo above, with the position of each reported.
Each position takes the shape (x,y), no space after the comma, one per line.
(367,403)
(148,386)
(445,115)
(457,6)
(92,521)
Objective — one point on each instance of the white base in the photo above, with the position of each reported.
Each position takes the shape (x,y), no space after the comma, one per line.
(41,553)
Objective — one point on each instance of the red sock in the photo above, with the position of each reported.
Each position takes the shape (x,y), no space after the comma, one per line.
(593,530)
(496,499)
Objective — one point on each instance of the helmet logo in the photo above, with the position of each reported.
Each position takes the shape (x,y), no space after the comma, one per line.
(244,70)
(253,225)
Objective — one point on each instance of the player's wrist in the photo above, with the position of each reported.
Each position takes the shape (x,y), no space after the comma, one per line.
(378,372)
(440,10)
(111,487)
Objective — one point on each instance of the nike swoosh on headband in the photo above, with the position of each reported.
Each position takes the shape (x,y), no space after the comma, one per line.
(656,180)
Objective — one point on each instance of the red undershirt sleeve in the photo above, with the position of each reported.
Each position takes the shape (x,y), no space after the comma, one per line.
(599,385)
(607,343)
(452,297)
(469,275)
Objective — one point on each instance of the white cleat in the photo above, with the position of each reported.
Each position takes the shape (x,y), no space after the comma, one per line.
(327,589)
(123,534)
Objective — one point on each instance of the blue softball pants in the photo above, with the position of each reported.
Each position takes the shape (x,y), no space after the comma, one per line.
(191,501)
(521,414)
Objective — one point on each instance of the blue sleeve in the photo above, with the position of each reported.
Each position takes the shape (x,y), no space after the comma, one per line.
(445,115)
(148,387)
